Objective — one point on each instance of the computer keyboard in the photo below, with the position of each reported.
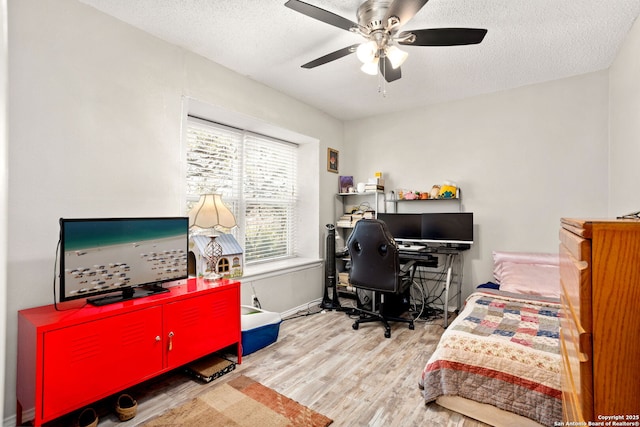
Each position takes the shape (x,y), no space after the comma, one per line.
(411,248)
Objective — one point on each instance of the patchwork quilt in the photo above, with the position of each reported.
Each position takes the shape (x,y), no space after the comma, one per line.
(503,349)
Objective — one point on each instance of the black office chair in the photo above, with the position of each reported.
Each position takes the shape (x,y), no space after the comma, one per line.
(375,266)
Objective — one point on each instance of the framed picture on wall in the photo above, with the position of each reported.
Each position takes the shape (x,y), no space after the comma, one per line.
(332,160)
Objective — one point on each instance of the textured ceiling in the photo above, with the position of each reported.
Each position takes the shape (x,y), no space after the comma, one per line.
(528,41)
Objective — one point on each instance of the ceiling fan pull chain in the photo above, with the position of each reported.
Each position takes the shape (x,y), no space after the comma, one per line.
(382,82)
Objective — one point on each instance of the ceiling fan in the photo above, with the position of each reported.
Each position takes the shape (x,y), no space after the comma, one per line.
(379,21)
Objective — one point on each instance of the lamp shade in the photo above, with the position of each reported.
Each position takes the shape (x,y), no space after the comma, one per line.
(210,212)
(366,51)
(370,67)
(396,56)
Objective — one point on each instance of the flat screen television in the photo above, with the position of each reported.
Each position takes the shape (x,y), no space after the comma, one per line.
(121,258)
(455,228)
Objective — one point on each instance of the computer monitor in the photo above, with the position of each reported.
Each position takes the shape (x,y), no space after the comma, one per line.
(450,228)
(454,228)
(403,226)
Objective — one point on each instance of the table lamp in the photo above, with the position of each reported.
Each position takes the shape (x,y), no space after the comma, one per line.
(210,214)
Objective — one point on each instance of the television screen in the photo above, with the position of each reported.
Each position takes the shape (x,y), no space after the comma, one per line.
(124,255)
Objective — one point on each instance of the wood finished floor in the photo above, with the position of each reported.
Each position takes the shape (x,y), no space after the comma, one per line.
(355,377)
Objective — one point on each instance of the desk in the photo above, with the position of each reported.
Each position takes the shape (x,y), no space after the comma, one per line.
(427,258)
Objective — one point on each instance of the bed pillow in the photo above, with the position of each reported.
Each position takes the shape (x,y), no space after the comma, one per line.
(528,273)
(502,260)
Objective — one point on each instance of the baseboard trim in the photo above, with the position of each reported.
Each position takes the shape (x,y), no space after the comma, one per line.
(300,308)
(11,421)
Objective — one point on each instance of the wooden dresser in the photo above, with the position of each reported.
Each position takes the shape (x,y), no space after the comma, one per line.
(600,326)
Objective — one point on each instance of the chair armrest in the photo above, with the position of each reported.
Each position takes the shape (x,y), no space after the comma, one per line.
(406,267)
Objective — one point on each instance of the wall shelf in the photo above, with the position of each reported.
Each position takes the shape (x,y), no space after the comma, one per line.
(454,201)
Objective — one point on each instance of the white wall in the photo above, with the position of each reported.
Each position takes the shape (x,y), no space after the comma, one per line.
(263,287)
(624,118)
(523,159)
(3,191)
(96,110)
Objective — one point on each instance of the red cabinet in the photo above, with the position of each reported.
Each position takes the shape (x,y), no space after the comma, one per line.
(71,357)
(90,357)
(194,327)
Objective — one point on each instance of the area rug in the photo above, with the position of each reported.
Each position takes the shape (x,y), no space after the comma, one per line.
(241,402)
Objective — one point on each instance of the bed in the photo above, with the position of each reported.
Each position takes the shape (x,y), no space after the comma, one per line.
(499,360)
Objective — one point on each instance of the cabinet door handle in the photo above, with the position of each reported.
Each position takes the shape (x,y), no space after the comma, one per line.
(157,337)
(171,341)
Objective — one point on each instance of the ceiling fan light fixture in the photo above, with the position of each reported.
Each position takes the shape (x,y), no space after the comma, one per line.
(396,56)
(380,22)
(371,67)
(366,52)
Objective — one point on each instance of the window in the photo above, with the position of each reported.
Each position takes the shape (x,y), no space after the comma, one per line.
(223,266)
(256,176)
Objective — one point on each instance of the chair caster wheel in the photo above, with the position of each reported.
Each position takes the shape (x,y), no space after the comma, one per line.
(387,334)
(411,326)
(355,326)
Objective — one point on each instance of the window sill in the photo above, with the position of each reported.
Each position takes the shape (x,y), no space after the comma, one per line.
(276,268)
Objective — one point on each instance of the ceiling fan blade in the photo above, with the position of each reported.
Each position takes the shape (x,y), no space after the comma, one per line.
(444,36)
(320,14)
(331,56)
(404,10)
(388,72)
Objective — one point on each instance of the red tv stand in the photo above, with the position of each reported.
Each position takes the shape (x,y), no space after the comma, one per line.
(71,358)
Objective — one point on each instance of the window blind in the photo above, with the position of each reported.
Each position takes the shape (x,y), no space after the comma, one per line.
(257,178)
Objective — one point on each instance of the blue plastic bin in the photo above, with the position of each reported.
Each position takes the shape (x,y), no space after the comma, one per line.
(259,328)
